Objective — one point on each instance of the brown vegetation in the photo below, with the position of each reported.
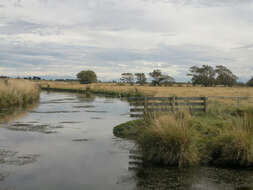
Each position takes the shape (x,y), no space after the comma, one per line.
(184,90)
(17,93)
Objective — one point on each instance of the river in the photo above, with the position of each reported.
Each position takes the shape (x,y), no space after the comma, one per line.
(66,142)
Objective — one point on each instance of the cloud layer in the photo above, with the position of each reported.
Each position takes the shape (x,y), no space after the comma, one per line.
(59,38)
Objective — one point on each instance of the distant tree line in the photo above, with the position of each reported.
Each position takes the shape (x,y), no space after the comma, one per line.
(208,76)
(204,75)
(32,78)
(3,77)
(158,78)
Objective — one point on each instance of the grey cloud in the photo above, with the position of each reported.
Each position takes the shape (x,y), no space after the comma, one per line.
(53,56)
(204,2)
(113,36)
(248,46)
(20,26)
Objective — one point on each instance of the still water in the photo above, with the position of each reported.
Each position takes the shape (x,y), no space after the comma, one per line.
(67,143)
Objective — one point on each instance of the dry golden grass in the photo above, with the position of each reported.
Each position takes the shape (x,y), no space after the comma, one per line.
(185,91)
(15,92)
(170,140)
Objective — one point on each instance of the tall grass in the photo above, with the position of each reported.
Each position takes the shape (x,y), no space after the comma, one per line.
(223,137)
(17,93)
(170,140)
(233,145)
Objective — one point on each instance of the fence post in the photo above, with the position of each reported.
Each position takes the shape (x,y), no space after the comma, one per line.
(238,101)
(205,104)
(173,103)
(145,105)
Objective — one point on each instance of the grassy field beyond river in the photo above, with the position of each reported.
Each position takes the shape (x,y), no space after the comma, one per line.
(128,90)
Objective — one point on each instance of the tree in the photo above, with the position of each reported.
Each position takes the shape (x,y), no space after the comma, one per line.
(166,80)
(87,77)
(204,75)
(250,82)
(225,76)
(140,78)
(159,78)
(127,78)
(156,74)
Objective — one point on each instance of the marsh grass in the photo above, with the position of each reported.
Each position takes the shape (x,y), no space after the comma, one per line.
(17,93)
(169,140)
(233,145)
(222,137)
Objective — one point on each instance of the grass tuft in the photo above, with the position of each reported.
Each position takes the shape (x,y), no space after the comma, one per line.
(170,140)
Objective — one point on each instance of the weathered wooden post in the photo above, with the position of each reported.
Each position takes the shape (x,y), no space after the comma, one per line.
(205,104)
(173,103)
(145,105)
(238,101)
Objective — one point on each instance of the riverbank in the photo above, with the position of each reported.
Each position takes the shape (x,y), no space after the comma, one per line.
(17,93)
(97,88)
(131,90)
(220,137)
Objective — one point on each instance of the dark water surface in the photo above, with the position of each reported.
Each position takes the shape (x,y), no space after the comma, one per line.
(67,143)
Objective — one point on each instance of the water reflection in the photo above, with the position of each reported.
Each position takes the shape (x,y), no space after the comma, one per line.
(199,178)
(8,115)
(86,97)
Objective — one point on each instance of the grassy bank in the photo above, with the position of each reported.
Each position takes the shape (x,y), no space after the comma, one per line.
(221,137)
(117,89)
(17,93)
(105,89)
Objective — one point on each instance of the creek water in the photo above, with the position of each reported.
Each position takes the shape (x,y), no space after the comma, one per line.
(66,142)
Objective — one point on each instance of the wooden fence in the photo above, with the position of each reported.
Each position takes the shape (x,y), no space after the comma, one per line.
(141,105)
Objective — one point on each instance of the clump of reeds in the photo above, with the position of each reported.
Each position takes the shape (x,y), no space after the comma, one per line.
(170,140)
(234,144)
(17,93)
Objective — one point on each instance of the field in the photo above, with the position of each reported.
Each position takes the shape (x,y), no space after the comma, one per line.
(124,90)
(17,93)
(151,90)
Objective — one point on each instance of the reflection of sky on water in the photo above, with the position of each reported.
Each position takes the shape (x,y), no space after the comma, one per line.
(64,163)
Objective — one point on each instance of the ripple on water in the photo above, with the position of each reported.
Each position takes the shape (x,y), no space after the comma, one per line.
(9,157)
(33,127)
(48,112)
(85,106)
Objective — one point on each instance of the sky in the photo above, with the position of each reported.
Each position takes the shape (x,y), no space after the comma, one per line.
(59,38)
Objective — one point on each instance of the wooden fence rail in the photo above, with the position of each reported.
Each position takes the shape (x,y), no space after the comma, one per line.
(141,105)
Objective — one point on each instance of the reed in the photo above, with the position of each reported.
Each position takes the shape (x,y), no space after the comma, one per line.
(17,93)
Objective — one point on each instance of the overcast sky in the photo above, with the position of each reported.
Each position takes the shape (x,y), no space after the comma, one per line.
(58,38)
